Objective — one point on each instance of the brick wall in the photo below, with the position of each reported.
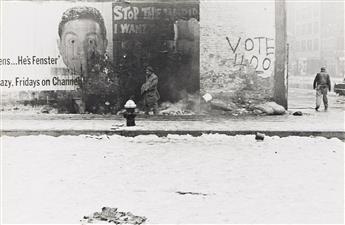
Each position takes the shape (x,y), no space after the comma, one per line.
(231,30)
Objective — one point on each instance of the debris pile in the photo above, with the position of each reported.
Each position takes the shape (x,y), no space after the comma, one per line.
(271,108)
(49,110)
(21,109)
(297,113)
(112,215)
(179,108)
(240,103)
(188,105)
(259,136)
(190,193)
(341,100)
(221,105)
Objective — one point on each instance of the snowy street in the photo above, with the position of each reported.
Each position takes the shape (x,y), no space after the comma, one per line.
(172,112)
(174,179)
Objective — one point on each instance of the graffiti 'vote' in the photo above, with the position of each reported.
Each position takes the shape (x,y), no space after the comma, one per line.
(262,45)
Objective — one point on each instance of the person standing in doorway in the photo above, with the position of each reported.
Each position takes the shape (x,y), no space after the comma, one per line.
(322,84)
(150,92)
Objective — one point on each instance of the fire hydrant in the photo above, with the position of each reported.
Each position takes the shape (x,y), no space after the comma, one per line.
(130,113)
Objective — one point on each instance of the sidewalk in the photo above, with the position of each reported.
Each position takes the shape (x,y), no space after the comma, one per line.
(327,124)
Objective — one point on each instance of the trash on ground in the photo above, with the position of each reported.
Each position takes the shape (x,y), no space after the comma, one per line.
(259,136)
(297,113)
(190,193)
(112,215)
(271,108)
(207,97)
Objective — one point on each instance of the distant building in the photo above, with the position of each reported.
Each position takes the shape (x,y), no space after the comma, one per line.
(316,37)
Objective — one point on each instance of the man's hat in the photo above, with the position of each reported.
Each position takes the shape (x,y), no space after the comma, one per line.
(149,68)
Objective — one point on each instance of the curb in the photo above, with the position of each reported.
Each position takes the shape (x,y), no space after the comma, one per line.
(163,133)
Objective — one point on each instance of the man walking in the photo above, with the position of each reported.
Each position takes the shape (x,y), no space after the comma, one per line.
(150,92)
(322,84)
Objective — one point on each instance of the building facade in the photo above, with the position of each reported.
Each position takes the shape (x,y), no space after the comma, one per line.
(225,48)
(316,37)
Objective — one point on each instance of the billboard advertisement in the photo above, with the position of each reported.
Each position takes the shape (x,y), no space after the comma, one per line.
(92,55)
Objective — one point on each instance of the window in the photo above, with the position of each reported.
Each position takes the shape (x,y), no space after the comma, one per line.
(316,44)
(298,46)
(304,14)
(324,44)
(298,15)
(305,29)
(310,28)
(304,45)
(298,30)
(301,30)
(316,11)
(309,13)
(340,43)
(309,45)
(316,27)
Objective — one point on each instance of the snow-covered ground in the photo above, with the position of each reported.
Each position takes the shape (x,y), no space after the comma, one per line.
(222,179)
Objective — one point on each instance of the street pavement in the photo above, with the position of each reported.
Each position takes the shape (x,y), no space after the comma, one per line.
(323,123)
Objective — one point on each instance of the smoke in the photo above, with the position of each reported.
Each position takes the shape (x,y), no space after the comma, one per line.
(188,105)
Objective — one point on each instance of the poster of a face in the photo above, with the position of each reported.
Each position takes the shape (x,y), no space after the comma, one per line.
(95,54)
(82,33)
(52,36)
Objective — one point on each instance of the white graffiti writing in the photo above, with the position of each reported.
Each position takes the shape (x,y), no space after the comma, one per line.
(256,52)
